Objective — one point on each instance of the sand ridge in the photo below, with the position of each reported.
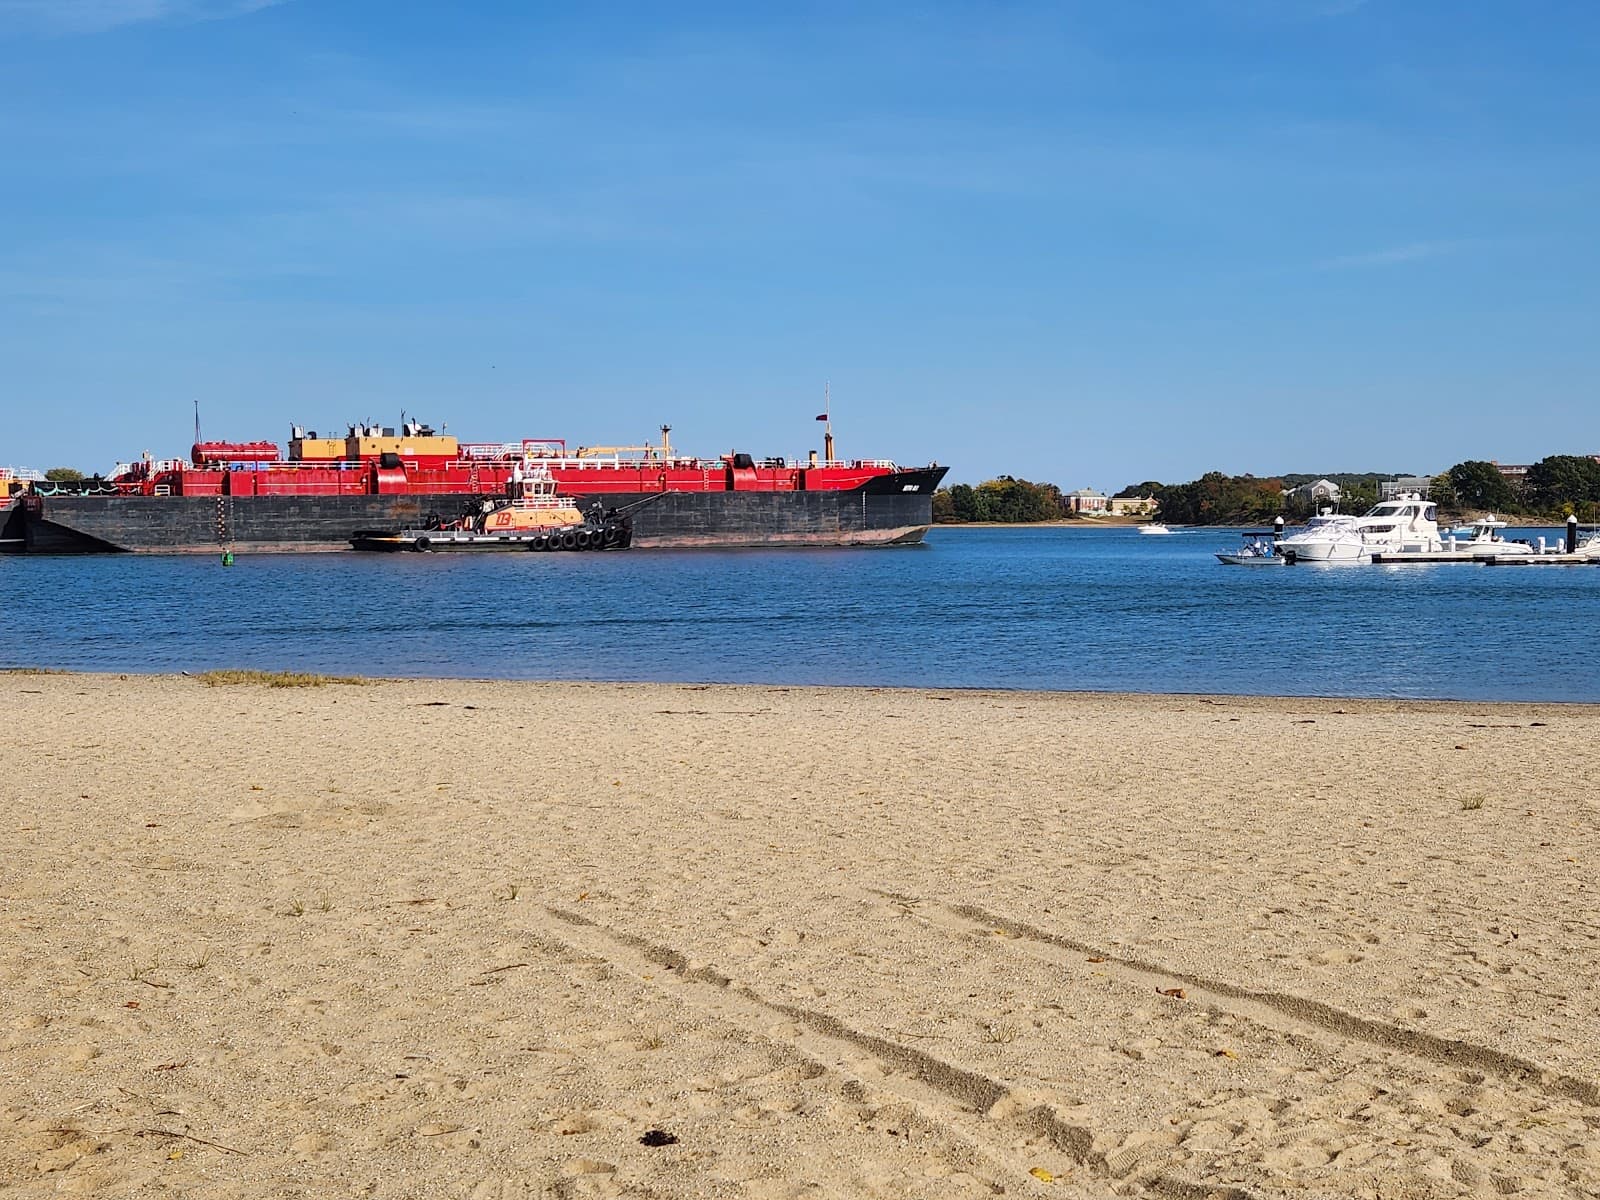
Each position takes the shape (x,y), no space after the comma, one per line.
(479,939)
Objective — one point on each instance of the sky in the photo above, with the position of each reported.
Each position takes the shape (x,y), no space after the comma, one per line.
(1089,242)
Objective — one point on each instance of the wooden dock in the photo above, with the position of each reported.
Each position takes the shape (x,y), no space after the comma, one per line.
(1489,558)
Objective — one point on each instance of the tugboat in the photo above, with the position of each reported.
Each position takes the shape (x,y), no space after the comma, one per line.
(531,516)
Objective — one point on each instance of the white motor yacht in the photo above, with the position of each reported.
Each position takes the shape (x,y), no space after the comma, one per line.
(1487,536)
(1406,523)
(1326,537)
(1153,527)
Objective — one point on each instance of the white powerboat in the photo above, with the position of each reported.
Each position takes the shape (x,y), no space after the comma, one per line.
(1258,550)
(1406,524)
(1487,538)
(1326,537)
(1154,527)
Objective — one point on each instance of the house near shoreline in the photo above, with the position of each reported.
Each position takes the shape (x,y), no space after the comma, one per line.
(1088,502)
(1321,491)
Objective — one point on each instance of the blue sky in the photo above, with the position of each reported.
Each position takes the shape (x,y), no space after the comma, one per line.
(1088,242)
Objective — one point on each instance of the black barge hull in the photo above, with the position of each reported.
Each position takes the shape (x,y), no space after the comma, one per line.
(893,509)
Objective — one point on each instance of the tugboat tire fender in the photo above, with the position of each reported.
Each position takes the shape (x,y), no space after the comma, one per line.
(569,540)
(424,544)
(540,542)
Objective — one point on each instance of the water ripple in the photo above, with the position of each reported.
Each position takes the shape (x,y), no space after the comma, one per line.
(1053,609)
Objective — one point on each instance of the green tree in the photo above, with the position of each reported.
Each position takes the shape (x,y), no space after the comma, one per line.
(1218,499)
(1018,501)
(1562,480)
(1358,497)
(964,503)
(1480,485)
(1443,491)
(1014,501)
(1137,491)
(64,475)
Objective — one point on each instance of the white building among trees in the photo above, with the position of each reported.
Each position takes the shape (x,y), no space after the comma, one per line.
(1322,491)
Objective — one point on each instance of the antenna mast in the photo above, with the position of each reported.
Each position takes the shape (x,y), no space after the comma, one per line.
(197,421)
(827,418)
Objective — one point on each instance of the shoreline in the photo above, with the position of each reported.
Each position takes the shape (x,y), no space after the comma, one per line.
(1268,698)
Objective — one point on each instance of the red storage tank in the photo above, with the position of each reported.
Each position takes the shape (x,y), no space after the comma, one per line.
(232,452)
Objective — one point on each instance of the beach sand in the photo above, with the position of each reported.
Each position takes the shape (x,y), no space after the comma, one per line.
(479,939)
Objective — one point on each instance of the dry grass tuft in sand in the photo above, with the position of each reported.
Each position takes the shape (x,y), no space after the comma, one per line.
(276,679)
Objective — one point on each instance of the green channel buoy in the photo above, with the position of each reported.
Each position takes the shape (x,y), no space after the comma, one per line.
(227,558)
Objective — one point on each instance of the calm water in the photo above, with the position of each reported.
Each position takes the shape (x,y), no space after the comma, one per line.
(1065,609)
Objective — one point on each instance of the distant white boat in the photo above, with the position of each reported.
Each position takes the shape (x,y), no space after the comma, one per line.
(1154,527)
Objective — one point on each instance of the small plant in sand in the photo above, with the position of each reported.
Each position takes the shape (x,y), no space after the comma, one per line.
(138,974)
(652,1039)
(1472,803)
(507,893)
(297,908)
(201,962)
(999,1033)
(324,904)
(275,679)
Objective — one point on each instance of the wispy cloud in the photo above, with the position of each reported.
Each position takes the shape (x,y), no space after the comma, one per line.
(1390,256)
(66,17)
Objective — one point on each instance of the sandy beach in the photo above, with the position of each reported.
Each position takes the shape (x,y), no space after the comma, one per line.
(513,940)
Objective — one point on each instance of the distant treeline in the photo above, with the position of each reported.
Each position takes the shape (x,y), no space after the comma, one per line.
(1004,499)
(1553,488)
(1218,499)
(1561,485)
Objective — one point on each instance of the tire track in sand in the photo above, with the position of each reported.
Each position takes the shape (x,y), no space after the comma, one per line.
(980,1113)
(1270,1008)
